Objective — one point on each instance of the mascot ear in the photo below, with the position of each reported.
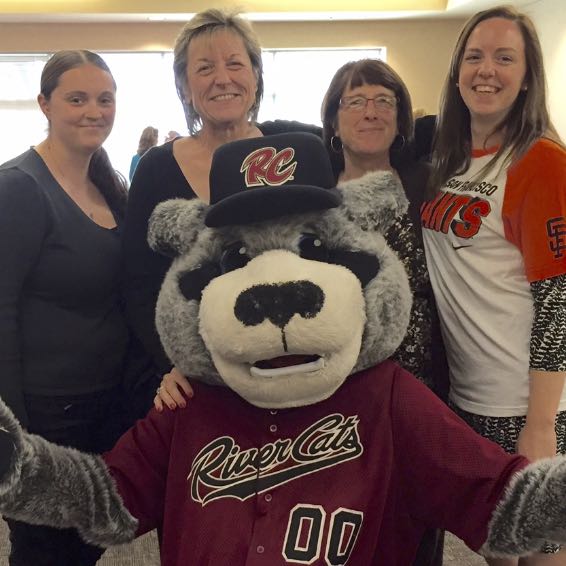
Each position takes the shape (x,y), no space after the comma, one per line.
(175,225)
(374,200)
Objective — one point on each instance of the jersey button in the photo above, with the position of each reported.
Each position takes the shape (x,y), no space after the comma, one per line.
(273,412)
(273,428)
(260,549)
(268,497)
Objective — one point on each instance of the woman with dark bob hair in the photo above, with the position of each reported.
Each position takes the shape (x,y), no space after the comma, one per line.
(367,121)
(63,337)
(367,125)
(494,234)
(355,74)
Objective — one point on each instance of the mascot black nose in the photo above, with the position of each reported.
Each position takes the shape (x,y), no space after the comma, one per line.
(278,303)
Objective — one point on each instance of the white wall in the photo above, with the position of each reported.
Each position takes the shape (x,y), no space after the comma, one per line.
(550,19)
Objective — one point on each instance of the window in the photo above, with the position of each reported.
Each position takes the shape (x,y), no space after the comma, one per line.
(22,122)
(295,82)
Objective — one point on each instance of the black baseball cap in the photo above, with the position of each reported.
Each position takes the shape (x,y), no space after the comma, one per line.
(262,178)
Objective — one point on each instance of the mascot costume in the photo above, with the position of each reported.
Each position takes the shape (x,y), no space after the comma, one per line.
(303,443)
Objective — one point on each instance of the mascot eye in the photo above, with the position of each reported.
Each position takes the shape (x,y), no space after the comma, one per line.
(192,283)
(234,257)
(311,247)
(363,265)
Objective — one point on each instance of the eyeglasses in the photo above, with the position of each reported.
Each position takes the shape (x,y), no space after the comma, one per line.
(358,103)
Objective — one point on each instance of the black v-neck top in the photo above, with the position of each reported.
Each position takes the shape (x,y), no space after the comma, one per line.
(62,330)
(158,178)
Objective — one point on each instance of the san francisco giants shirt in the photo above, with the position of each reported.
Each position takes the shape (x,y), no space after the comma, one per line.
(486,239)
(352,480)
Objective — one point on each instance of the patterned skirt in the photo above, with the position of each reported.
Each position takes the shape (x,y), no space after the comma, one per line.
(505,432)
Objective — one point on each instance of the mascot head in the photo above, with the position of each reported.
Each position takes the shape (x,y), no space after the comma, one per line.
(284,285)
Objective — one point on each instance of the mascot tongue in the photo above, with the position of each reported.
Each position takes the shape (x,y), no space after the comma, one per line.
(285,361)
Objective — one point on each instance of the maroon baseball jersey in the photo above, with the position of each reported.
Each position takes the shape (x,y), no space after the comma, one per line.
(351,480)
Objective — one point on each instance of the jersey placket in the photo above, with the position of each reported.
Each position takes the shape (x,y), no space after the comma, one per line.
(261,550)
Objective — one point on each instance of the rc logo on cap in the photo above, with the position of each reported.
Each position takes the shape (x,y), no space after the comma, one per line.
(267,177)
(267,166)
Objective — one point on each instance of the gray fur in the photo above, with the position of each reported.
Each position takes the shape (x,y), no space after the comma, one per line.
(532,511)
(177,321)
(370,206)
(175,225)
(61,487)
(373,201)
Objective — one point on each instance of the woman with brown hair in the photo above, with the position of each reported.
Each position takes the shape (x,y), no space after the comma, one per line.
(367,120)
(148,139)
(494,236)
(63,337)
(367,123)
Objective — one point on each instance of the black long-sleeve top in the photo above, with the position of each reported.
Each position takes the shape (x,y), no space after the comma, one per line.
(62,330)
(158,178)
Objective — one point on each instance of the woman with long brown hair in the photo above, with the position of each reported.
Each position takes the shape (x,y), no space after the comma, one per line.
(63,337)
(494,234)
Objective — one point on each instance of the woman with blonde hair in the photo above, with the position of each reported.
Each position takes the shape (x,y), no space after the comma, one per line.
(219,79)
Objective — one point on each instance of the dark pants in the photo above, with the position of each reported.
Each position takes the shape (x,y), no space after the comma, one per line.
(90,423)
(431,549)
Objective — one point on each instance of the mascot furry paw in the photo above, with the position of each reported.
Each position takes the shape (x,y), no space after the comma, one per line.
(303,444)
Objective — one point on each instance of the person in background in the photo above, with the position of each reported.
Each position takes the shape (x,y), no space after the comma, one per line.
(219,79)
(494,231)
(63,336)
(148,139)
(419,113)
(171,135)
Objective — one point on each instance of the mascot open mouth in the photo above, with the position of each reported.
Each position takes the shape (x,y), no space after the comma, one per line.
(285,365)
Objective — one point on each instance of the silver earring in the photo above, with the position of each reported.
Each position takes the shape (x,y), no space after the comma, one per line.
(336,144)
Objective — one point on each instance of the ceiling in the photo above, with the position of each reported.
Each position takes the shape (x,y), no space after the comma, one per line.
(38,11)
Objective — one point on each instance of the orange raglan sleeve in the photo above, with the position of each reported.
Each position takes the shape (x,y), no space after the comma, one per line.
(534,210)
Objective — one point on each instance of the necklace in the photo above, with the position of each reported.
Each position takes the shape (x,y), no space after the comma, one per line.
(65,183)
